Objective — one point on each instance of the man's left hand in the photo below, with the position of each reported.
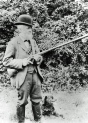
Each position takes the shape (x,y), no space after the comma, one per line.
(38,59)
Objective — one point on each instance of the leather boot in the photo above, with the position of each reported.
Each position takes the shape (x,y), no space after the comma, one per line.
(36,108)
(21,114)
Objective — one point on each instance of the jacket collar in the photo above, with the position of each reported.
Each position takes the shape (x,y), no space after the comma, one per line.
(22,44)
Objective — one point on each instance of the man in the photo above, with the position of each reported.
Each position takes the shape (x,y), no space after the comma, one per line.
(23,68)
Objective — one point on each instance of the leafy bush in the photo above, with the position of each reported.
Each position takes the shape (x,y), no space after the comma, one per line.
(54,22)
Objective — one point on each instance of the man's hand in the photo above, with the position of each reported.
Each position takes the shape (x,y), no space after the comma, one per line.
(38,59)
(27,61)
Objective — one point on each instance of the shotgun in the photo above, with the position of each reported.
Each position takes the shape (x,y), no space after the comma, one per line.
(13,72)
(60,45)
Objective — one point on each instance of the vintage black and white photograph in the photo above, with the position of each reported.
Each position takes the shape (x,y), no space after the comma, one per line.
(43,61)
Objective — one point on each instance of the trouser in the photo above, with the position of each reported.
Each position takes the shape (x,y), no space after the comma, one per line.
(31,87)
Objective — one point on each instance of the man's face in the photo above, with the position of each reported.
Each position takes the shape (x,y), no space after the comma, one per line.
(25,31)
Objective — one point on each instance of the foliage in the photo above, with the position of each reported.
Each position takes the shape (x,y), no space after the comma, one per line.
(54,22)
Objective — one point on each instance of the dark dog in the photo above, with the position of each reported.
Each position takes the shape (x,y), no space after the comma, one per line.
(48,106)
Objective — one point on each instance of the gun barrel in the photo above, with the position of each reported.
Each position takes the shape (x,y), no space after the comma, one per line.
(60,45)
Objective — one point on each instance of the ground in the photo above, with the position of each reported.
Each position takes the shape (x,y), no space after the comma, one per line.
(72,107)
